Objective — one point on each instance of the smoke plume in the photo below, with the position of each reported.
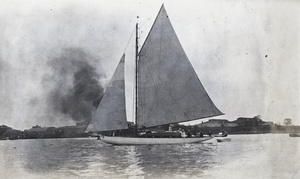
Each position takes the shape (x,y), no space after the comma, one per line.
(77,92)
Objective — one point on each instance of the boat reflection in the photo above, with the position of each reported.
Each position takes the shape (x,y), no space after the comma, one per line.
(160,161)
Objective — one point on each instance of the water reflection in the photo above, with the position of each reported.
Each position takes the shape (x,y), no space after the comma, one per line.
(79,157)
(165,160)
(90,158)
(131,161)
(68,158)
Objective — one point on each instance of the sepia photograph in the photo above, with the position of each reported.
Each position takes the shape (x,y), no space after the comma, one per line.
(150,89)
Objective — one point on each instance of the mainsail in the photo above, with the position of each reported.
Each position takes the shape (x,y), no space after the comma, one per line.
(111,112)
(169,90)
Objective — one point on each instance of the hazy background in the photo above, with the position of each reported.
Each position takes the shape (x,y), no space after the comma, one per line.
(56,57)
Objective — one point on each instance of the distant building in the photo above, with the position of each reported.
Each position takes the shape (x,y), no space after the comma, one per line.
(70,131)
(218,123)
(40,132)
(243,125)
(230,124)
(244,121)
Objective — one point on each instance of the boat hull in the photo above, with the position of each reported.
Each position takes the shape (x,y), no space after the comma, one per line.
(224,140)
(151,141)
(294,135)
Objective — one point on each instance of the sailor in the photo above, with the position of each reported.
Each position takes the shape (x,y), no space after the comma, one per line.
(201,134)
(189,134)
(183,135)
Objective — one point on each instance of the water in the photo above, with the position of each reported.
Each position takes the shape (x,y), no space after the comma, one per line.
(245,156)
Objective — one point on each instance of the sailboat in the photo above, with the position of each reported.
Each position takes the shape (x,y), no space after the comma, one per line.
(168,90)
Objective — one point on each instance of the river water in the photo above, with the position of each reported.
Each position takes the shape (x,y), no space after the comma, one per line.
(245,156)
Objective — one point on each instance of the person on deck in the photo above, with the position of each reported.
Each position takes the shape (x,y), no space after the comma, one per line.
(183,135)
(189,134)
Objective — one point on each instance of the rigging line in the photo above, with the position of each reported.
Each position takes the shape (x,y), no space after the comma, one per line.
(129,39)
(141,24)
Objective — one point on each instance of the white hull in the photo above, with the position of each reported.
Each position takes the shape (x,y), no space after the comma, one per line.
(151,141)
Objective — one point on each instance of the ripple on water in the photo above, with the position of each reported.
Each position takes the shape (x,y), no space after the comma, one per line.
(266,156)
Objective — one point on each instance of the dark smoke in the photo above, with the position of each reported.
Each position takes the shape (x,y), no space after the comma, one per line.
(77,91)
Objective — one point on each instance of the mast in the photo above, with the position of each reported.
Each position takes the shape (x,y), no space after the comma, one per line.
(136,75)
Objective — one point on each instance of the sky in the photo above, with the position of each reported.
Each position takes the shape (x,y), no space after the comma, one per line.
(246,53)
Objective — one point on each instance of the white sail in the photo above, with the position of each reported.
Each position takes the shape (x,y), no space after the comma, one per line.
(169,90)
(111,112)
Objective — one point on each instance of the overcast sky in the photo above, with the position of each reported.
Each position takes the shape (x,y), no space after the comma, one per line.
(246,53)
